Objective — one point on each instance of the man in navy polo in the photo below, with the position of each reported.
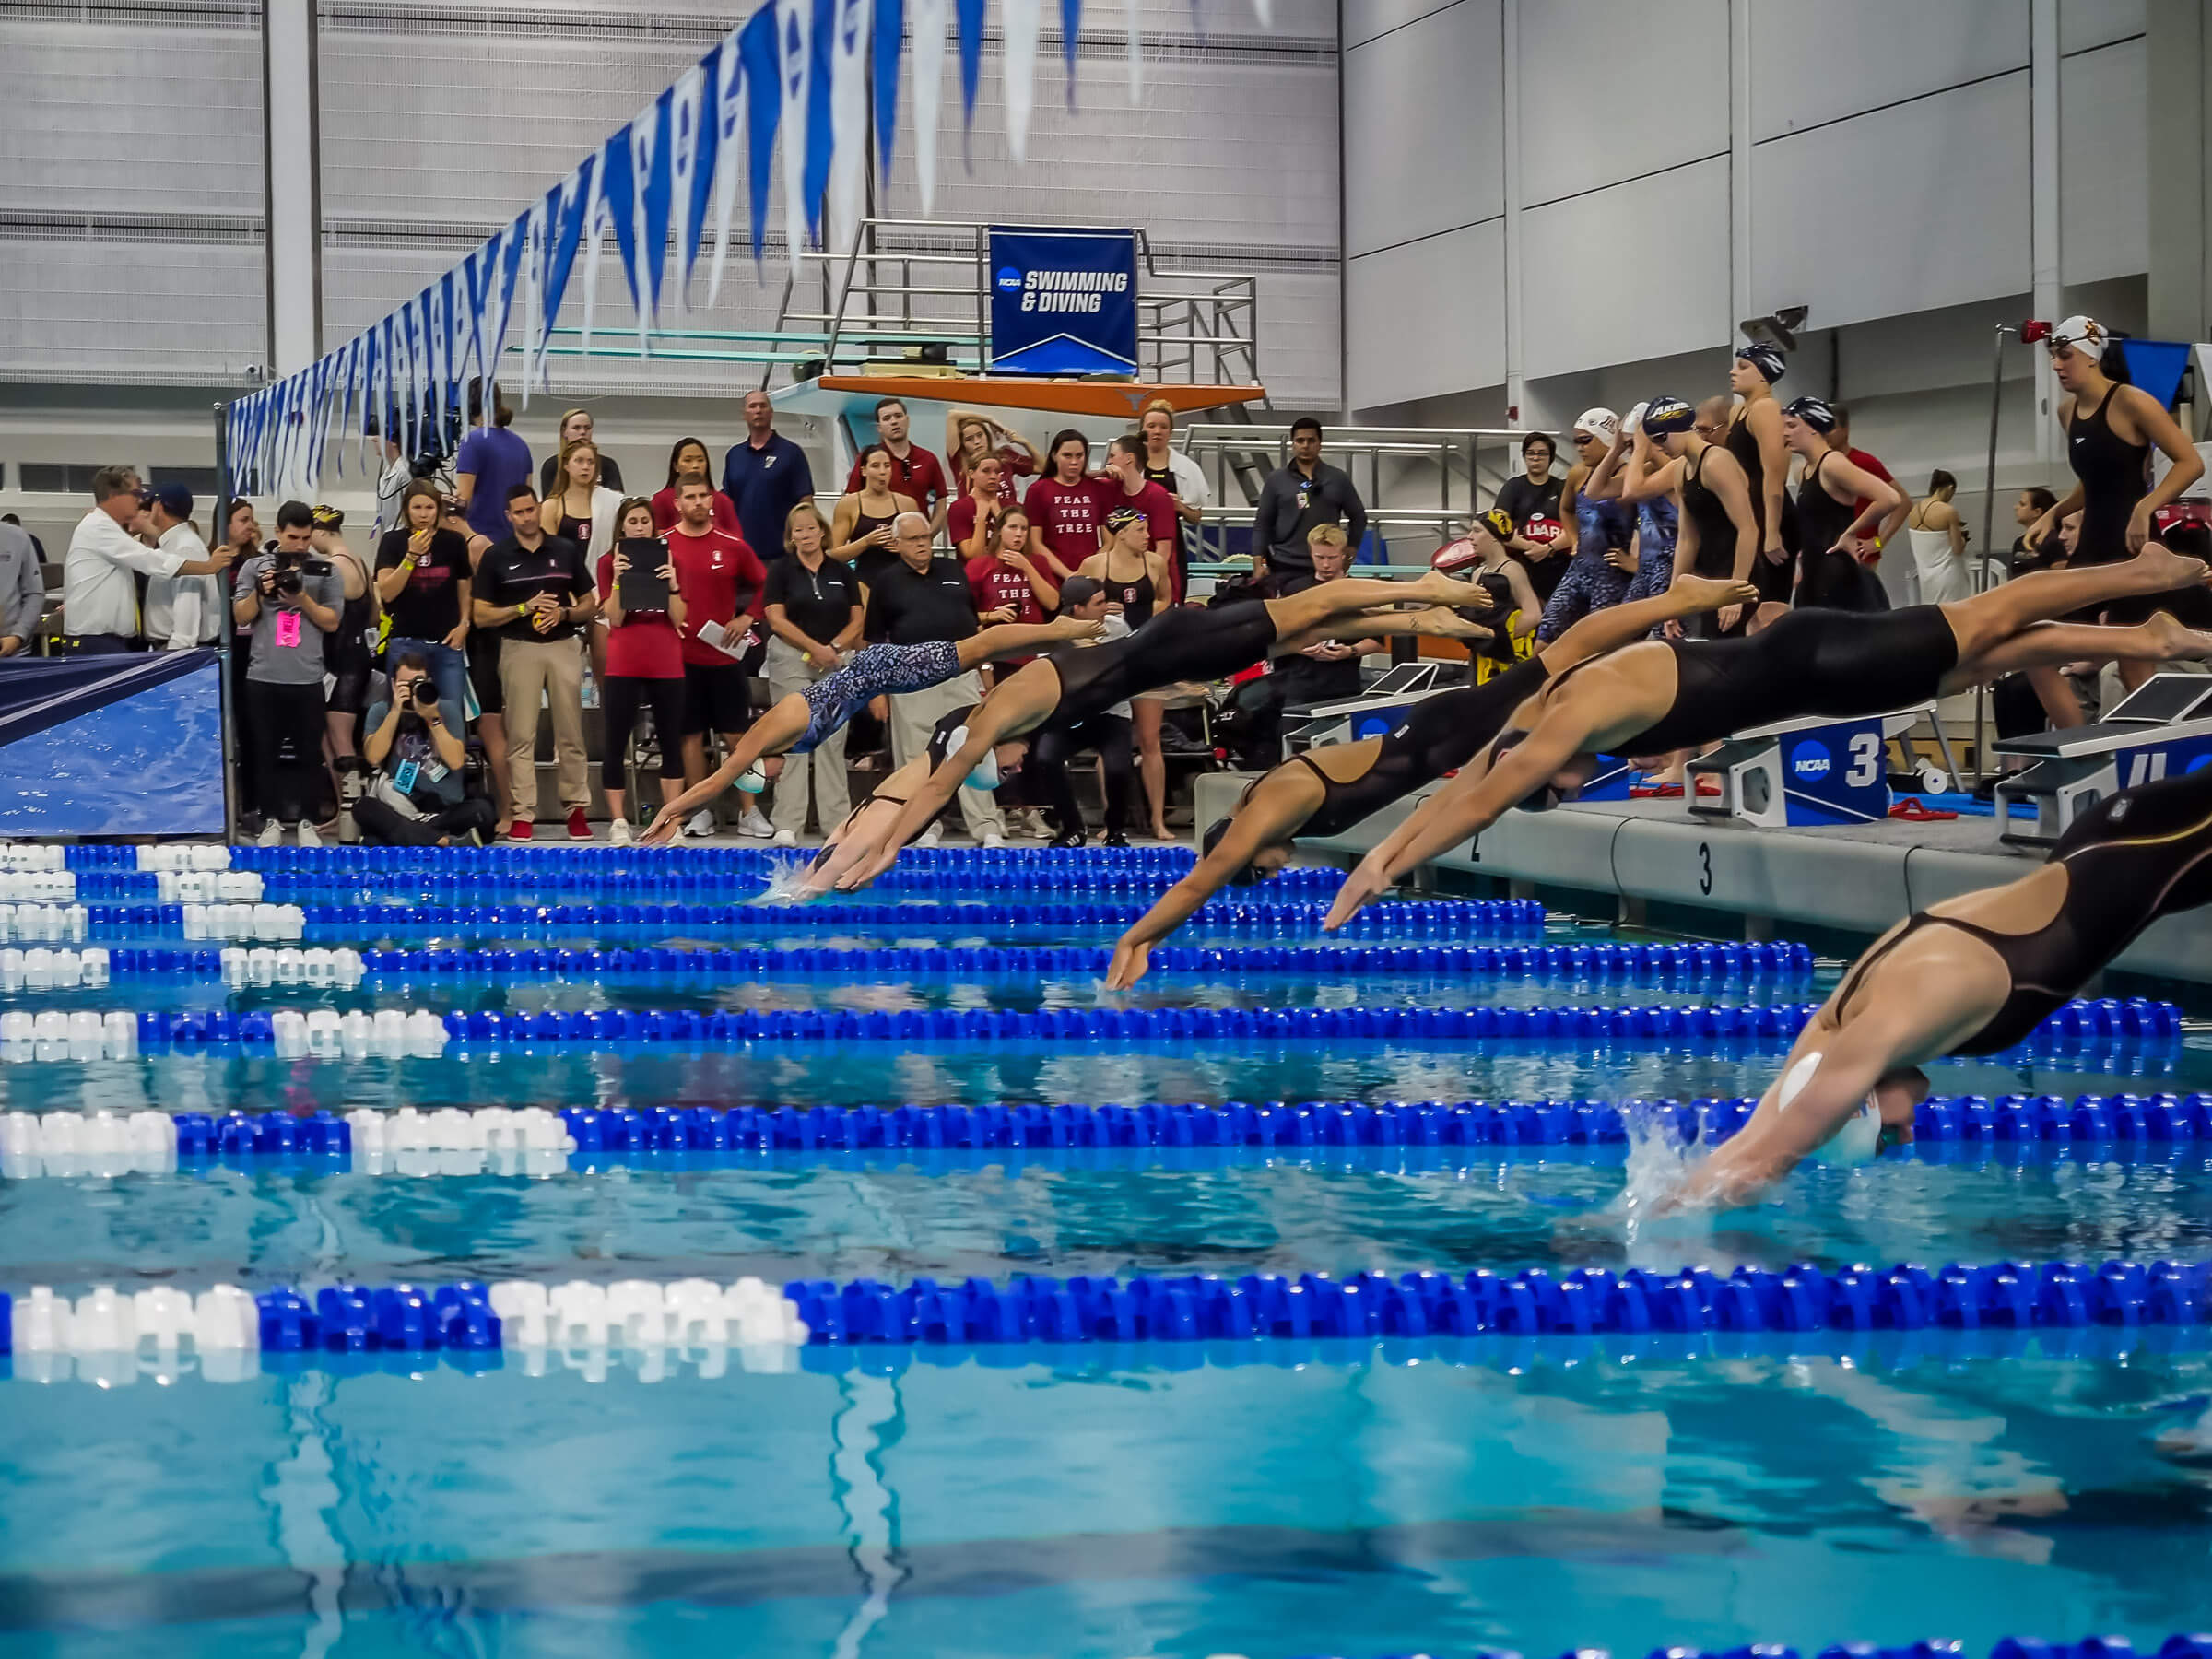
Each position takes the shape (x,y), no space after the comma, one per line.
(765,477)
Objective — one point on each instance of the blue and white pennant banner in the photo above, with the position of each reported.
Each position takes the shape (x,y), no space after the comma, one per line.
(818,74)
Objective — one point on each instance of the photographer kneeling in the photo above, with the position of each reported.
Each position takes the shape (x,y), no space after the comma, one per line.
(414,753)
(290,601)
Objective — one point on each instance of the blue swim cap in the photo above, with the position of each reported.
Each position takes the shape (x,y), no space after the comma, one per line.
(1770,362)
(1815,412)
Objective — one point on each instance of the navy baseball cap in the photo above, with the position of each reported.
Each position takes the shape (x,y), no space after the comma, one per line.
(174,498)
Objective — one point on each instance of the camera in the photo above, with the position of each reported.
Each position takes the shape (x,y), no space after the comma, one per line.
(424,692)
(292,569)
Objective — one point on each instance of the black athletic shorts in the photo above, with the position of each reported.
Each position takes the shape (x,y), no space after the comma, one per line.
(716,699)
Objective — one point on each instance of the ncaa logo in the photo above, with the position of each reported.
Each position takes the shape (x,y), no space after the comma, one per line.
(1009,280)
(1810,759)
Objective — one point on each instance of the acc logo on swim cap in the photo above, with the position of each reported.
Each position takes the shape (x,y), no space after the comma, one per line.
(1810,759)
(1009,280)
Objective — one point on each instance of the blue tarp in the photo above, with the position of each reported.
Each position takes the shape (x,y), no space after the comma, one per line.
(112,745)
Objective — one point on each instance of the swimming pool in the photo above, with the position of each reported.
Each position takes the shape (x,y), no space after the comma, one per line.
(1391,1491)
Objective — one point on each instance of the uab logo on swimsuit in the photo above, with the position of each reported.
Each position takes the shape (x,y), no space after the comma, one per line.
(1810,759)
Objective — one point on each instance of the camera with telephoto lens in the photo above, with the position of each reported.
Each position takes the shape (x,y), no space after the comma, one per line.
(425,692)
(293,567)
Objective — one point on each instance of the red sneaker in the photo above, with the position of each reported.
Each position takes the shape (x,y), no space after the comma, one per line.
(579,828)
(519,830)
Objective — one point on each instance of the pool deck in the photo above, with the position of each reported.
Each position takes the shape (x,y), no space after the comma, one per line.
(1858,879)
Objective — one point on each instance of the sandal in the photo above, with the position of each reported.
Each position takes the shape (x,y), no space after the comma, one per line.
(1913,810)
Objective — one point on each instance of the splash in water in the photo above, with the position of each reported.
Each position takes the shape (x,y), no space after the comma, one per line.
(786,884)
(1659,1164)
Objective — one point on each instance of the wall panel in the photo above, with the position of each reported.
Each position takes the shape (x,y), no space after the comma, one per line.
(1668,233)
(2103,181)
(1813,61)
(1424,130)
(1426,318)
(1587,72)
(2083,24)
(1922,205)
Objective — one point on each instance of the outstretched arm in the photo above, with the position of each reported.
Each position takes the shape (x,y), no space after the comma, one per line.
(1021,639)
(1465,806)
(996,716)
(1273,812)
(773,734)
(1620,625)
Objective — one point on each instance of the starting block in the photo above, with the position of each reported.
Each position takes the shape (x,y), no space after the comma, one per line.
(1805,772)
(1374,711)
(2161,729)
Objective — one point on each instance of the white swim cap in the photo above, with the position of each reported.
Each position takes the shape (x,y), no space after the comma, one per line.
(1601,424)
(2085,335)
(1632,422)
(986,775)
(1857,1141)
(752,780)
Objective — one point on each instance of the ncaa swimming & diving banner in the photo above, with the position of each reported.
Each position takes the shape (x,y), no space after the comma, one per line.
(1062,301)
(792,94)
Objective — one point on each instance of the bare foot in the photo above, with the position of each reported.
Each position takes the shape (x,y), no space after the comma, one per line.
(2159,568)
(1435,589)
(1439,623)
(1075,628)
(1711,592)
(2170,642)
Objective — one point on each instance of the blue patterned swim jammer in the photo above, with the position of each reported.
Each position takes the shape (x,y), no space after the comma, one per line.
(879,671)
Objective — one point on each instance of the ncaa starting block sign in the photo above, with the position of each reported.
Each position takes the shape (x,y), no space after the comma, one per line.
(1804,773)
(2160,730)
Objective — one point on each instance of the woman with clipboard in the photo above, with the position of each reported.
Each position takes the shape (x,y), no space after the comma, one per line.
(644,613)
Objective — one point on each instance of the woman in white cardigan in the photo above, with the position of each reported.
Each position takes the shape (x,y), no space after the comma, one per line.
(587,512)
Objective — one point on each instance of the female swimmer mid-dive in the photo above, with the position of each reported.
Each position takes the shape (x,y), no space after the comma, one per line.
(800,722)
(1973,975)
(1176,644)
(866,829)
(1325,790)
(1674,694)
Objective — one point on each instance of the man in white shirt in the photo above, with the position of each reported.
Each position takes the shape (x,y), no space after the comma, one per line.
(391,483)
(100,595)
(22,590)
(183,611)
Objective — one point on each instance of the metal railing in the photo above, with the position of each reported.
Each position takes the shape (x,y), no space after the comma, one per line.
(1420,484)
(906,283)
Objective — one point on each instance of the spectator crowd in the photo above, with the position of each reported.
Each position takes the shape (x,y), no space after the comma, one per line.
(403,676)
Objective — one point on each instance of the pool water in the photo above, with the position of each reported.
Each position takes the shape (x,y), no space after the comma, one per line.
(1270,1499)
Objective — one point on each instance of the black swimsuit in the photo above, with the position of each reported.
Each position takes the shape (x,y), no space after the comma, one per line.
(1832,580)
(2144,854)
(1839,665)
(1135,598)
(1438,737)
(1703,507)
(1773,580)
(2113,479)
(1177,644)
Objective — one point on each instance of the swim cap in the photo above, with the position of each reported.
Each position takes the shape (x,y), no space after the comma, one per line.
(1601,424)
(1497,521)
(1455,555)
(1858,1139)
(986,775)
(327,518)
(2084,333)
(1815,412)
(1123,515)
(1665,416)
(1765,358)
(1245,874)
(1632,422)
(752,780)
(1546,797)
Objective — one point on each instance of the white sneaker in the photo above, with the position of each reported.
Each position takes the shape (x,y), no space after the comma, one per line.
(308,838)
(272,834)
(619,833)
(787,838)
(755,824)
(931,836)
(993,839)
(699,823)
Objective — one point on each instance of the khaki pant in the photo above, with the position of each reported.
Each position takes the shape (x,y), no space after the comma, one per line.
(790,672)
(550,670)
(915,714)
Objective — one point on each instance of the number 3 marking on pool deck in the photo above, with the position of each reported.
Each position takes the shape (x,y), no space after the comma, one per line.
(1705,867)
(1865,761)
